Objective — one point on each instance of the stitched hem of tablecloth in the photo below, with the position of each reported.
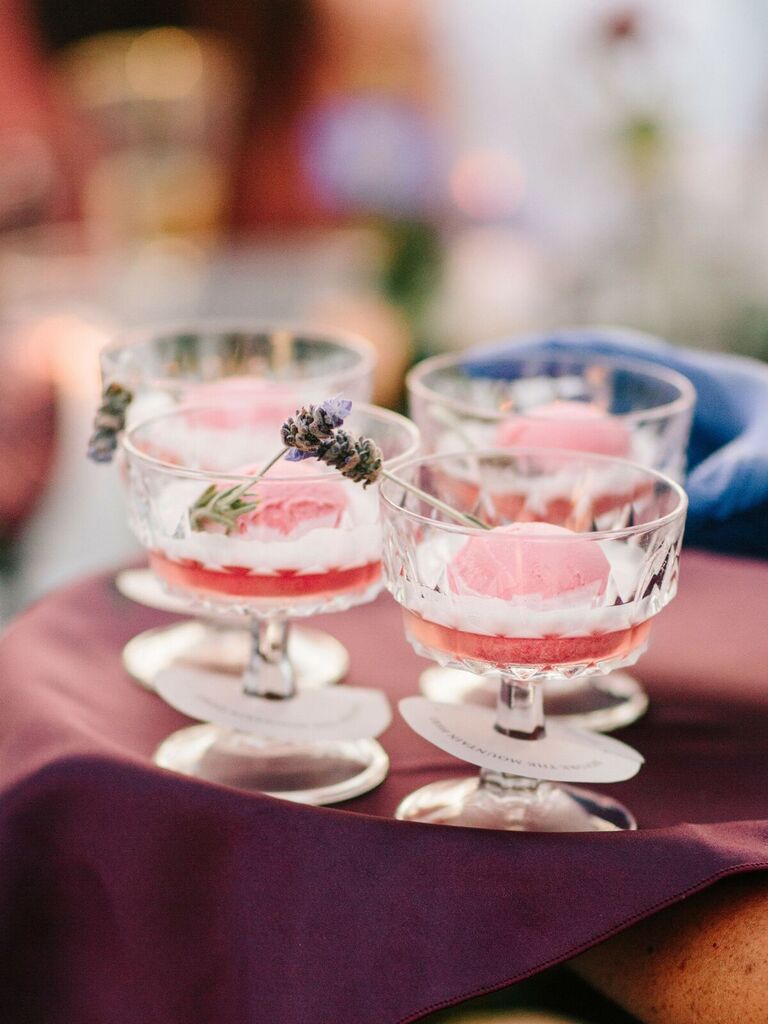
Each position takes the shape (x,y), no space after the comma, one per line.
(584,946)
(76,759)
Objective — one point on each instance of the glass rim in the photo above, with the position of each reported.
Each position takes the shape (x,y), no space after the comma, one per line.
(473,531)
(686,399)
(133,337)
(127,444)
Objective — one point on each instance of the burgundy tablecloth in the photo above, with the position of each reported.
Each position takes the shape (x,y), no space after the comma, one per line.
(131,896)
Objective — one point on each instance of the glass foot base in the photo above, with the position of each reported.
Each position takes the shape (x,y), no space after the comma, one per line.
(326,772)
(549,807)
(599,703)
(318,658)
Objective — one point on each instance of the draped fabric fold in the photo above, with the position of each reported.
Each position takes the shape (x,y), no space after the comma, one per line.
(129,894)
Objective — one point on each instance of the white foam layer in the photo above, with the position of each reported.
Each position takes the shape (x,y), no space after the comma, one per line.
(576,613)
(354,542)
(539,491)
(479,434)
(211,448)
(579,485)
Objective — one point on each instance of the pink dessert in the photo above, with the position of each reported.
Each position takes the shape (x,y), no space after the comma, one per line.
(288,509)
(574,426)
(578,426)
(528,565)
(512,562)
(292,507)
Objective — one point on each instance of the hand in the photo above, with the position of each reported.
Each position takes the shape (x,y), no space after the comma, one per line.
(728,452)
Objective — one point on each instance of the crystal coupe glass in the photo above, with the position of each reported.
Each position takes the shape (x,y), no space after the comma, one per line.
(280,368)
(577,401)
(308,542)
(554,591)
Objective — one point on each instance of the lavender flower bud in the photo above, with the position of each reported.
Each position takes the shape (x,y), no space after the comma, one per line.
(116,396)
(358,459)
(294,455)
(314,424)
(101,447)
(337,409)
(108,422)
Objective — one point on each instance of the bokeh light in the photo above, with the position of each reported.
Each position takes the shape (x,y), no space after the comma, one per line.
(487,183)
(164,64)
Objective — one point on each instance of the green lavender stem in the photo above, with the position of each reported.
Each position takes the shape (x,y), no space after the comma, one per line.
(273,461)
(226,507)
(460,517)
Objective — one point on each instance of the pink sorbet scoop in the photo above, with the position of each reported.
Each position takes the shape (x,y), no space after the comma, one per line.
(292,507)
(578,426)
(519,561)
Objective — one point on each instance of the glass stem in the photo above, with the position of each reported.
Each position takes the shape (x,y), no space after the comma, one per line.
(519,713)
(269,673)
(520,709)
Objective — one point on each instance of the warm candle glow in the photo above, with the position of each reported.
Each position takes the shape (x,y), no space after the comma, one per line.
(64,347)
(164,64)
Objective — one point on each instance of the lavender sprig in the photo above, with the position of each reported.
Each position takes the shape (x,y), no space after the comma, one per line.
(357,458)
(109,422)
(221,507)
(314,433)
(312,425)
(311,432)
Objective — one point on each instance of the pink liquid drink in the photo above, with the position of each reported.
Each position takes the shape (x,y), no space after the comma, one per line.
(528,604)
(248,536)
(527,594)
(542,651)
(308,537)
(237,581)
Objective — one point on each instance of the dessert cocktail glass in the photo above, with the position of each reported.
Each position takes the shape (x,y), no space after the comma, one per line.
(578,401)
(533,600)
(307,541)
(279,368)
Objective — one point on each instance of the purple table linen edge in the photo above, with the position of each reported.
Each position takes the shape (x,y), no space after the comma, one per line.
(132,895)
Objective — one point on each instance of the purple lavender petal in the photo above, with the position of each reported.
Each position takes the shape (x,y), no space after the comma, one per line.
(294,455)
(101,447)
(337,409)
(99,455)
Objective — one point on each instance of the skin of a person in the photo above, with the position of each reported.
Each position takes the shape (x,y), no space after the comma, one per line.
(703,961)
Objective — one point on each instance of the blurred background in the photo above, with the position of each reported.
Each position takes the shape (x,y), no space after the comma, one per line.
(429,173)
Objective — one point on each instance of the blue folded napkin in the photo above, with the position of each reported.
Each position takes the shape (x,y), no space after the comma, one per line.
(728,453)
